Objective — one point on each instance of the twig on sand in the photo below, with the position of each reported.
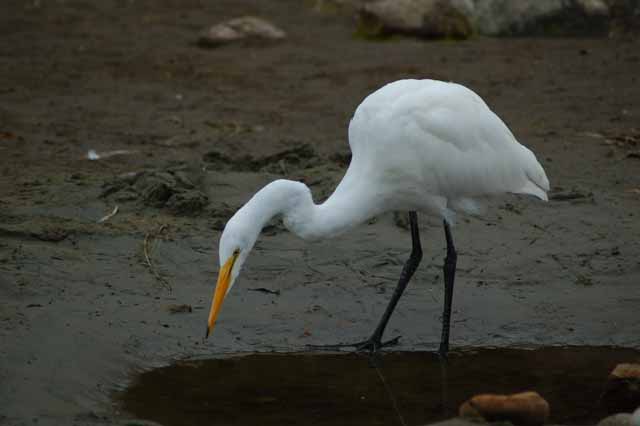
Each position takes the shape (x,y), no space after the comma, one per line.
(147,258)
(109,216)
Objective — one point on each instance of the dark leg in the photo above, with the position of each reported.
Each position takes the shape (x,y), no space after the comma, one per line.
(449,277)
(374,343)
(444,387)
(405,276)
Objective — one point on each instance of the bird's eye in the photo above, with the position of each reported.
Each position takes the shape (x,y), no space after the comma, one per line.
(236,252)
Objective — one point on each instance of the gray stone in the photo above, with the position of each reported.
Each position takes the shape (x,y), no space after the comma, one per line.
(622,390)
(541,17)
(422,18)
(462,18)
(635,418)
(620,419)
(245,28)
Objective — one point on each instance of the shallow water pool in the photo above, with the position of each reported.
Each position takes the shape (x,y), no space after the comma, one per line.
(343,389)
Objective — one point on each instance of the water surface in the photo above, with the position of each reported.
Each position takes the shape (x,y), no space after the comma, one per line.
(343,389)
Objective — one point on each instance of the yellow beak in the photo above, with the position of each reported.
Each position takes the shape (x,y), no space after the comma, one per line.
(224,278)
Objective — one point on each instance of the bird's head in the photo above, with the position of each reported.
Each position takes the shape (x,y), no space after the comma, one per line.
(281,197)
(236,243)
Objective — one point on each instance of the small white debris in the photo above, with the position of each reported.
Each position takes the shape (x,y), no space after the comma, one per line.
(93,155)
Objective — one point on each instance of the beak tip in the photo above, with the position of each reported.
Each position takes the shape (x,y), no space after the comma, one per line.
(206,335)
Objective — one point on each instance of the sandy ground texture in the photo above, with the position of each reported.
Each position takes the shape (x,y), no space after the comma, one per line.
(81,310)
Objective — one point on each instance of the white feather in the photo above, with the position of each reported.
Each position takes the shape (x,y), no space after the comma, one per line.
(443,141)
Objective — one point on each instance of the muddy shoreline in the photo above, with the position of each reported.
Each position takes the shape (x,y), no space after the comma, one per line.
(81,309)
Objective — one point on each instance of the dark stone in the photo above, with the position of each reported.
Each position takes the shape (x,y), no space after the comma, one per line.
(622,390)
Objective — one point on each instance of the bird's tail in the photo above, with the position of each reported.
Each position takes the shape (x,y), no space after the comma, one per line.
(537,183)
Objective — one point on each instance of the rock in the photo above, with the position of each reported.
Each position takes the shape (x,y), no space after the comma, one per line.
(628,371)
(462,18)
(622,390)
(245,28)
(542,17)
(526,408)
(635,418)
(422,18)
(620,419)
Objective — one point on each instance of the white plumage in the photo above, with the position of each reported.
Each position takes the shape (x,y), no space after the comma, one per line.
(436,145)
(417,145)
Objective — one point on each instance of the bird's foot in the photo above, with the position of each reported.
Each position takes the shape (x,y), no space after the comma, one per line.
(371,345)
(374,344)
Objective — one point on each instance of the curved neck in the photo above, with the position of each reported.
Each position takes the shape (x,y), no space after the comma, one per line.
(350,205)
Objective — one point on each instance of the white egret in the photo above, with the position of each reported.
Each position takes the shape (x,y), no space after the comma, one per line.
(417,145)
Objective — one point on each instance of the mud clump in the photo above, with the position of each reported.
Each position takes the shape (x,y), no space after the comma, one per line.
(51,234)
(179,309)
(42,232)
(296,158)
(156,188)
(176,190)
(187,203)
